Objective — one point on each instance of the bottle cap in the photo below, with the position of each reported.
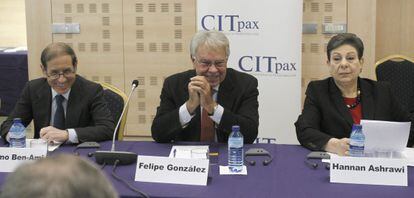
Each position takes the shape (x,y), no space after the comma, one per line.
(235,128)
(17,119)
(356,126)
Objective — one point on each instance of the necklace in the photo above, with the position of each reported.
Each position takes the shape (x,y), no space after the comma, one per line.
(357,101)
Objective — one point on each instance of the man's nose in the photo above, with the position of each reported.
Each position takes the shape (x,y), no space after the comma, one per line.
(61,78)
(213,68)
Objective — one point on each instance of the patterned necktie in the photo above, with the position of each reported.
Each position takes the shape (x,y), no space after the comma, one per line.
(207,125)
(59,118)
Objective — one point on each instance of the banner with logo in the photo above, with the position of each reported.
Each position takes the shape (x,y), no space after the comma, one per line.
(265,41)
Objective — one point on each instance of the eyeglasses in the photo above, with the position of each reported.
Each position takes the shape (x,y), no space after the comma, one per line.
(208,63)
(55,74)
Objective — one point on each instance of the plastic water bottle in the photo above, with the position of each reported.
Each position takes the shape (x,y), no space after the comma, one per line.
(235,150)
(357,141)
(17,134)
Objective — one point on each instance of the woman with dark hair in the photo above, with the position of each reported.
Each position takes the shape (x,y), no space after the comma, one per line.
(334,104)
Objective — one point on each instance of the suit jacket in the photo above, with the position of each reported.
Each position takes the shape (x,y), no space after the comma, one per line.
(86,112)
(325,114)
(237,94)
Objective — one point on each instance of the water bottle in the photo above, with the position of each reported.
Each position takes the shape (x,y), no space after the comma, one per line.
(235,150)
(357,141)
(17,134)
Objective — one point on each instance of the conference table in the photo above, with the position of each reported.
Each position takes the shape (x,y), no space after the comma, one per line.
(286,176)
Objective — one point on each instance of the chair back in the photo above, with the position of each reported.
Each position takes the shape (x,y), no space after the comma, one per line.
(399,71)
(116,99)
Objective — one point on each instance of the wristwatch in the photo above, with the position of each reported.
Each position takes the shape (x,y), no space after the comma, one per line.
(214,110)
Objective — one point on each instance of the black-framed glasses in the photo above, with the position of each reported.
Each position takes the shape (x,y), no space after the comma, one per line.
(208,63)
(56,74)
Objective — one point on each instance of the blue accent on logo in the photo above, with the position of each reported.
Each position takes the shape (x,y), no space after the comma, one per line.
(230,23)
(268,64)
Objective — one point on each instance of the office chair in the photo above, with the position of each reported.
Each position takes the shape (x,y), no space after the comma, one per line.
(116,100)
(399,71)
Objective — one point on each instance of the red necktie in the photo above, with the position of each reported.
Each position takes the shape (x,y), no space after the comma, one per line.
(207,127)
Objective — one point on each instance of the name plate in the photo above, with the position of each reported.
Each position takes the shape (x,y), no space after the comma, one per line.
(11,158)
(172,170)
(363,170)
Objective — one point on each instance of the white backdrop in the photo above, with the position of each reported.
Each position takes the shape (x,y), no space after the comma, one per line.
(265,41)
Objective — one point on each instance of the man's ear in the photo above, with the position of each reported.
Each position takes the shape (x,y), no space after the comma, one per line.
(193,61)
(43,69)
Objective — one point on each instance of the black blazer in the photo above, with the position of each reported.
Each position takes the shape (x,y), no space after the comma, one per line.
(237,94)
(87,111)
(325,114)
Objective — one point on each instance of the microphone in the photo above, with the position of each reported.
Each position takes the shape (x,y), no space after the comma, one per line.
(311,164)
(119,157)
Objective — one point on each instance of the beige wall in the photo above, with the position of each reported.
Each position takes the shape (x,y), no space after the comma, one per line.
(395,28)
(385,26)
(12,23)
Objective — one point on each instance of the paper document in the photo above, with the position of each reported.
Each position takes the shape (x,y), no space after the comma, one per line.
(385,135)
(15,49)
(189,152)
(225,170)
(408,153)
(50,147)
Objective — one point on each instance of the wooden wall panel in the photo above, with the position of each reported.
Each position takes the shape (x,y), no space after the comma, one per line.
(99,45)
(407,33)
(39,33)
(156,38)
(395,28)
(314,45)
(362,21)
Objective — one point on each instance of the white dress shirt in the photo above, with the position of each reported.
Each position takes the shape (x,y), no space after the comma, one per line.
(73,137)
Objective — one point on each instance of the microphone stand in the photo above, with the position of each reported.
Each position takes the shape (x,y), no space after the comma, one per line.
(120,157)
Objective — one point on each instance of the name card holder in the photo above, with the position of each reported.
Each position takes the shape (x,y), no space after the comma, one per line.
(11,158)
(172,170)
(364,170)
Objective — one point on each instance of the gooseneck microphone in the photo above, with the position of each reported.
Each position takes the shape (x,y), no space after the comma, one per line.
(112,156)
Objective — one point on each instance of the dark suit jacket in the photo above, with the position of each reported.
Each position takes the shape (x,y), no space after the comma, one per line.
(86,112)
(237,94)
(325,114)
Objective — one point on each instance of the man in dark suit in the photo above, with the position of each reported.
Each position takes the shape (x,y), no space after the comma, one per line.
(203,104)
(64,106)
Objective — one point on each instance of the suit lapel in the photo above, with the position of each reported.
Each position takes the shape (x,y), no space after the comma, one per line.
(73,110)
(190,74)
(336,97)
(44,102)
(367,101)
(225,95)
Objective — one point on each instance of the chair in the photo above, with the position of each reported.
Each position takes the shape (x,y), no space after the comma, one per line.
(116,100)
(399,71)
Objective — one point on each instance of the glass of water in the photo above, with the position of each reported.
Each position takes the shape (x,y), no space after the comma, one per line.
(39,143)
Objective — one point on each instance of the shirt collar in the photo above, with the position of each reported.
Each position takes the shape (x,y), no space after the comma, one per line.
(216,88)
(65,95)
